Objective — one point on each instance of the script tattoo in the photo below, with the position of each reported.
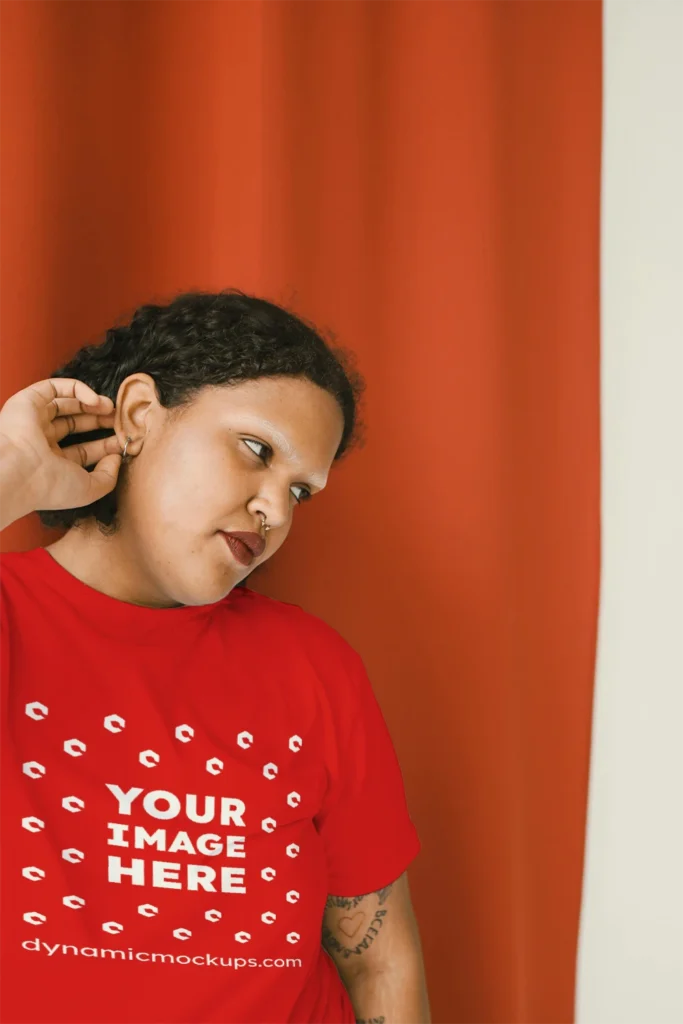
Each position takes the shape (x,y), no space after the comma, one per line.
(371,1020)
(353,924)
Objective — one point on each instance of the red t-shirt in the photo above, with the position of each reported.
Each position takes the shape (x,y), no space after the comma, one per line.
(182,789)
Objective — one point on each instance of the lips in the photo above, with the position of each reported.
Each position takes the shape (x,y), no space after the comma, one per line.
(253,542)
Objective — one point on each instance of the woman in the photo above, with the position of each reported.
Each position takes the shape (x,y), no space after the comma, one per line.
(203,814)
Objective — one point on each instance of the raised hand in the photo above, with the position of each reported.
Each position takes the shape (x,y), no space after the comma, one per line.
(34,471)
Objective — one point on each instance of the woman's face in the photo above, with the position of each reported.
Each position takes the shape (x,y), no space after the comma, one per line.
(262,446)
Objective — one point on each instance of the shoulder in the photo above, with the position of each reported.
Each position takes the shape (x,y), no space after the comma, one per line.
(16,573)
(14,561)
(15,564)
(290,624)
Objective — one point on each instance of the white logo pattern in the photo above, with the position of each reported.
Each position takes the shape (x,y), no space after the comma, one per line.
(75,902)
(114,723)
(149,758)
(76,748)
(33,874)
(36,710)
(73,804)
(147,910)
(33,917)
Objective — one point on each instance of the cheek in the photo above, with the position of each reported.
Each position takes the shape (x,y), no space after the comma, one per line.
(187,485)
(278,541)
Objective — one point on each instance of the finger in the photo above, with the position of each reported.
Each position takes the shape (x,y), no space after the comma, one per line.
(67,407)
(90,399)
(86,454)
(68,387)
(80,424)
(63,407)
(103,478)
(73,398)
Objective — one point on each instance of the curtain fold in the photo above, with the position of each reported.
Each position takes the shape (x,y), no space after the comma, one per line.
(423,179)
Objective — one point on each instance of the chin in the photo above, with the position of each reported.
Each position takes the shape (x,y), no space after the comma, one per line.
(203,587)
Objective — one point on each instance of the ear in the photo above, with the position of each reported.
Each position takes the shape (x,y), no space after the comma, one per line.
(136,404)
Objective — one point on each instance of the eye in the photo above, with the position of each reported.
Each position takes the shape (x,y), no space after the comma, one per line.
(260,444)
(264,455)
(304,496)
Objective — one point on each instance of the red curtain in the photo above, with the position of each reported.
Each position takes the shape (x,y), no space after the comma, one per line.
(422,178)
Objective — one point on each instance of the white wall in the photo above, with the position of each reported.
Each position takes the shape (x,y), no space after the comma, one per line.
(630,962)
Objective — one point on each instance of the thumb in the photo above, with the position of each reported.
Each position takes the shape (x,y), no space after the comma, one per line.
(102,479)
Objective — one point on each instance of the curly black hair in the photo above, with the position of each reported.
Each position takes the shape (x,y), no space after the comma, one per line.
(203,339)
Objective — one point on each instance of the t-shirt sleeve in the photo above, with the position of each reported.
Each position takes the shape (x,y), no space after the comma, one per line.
(364,823)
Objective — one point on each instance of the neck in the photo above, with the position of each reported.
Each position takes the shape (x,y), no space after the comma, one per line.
(110,564)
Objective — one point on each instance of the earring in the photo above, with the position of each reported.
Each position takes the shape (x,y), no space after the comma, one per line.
(125,448)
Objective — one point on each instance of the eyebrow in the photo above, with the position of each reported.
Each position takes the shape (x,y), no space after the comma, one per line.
(285,448)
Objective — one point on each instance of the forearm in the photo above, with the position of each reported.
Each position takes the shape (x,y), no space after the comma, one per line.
(394,996)
(15,497)
(378,954)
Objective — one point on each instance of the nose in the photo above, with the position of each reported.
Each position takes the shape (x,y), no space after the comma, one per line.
(275,511)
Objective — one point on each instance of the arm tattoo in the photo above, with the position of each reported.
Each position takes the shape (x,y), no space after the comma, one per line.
(384,893)
(372,1020)
(351,926)
(349,902)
